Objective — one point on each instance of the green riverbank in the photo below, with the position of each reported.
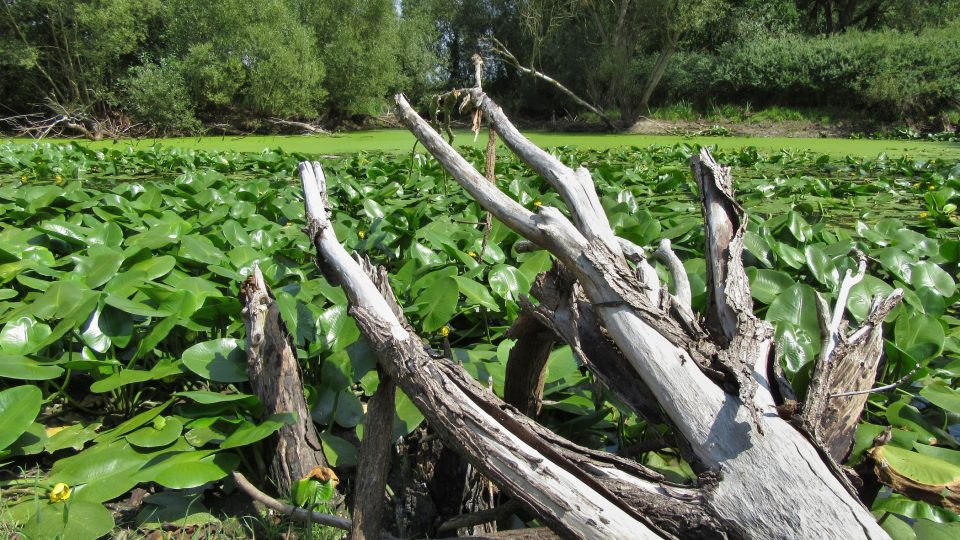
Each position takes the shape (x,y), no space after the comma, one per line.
(398,140)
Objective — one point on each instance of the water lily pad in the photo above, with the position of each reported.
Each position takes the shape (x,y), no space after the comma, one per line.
(219,360)
(161,432)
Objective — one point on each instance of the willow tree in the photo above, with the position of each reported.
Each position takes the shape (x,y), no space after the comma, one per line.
(768,467)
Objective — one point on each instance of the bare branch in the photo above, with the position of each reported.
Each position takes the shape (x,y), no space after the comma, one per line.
(297,514)
(361,291)
(484,516)
(502,51)
(574,186)
(488,195)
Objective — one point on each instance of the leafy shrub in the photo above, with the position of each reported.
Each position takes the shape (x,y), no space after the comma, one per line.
(212,79)
(892,74)
(156,94)
(256,55)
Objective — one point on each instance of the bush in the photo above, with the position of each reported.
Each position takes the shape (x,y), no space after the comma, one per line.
(213,79)
(889,73)
(156,94)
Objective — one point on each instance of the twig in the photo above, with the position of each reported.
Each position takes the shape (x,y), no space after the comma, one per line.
(490,165)
(878,389)
(294,513)
(477,518)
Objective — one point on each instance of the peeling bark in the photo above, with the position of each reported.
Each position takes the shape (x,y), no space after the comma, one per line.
(847,368)
(527,364)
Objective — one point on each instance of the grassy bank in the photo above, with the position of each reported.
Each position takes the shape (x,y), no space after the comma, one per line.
(397,140)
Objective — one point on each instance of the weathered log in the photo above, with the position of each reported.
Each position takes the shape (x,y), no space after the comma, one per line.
(578,492)
(304,127)
(275,376)
(711,382)
(762,477)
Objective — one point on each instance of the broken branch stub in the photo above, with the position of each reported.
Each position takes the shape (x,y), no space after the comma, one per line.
(274,373)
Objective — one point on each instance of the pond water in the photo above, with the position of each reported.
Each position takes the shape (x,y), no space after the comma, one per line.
(400,140)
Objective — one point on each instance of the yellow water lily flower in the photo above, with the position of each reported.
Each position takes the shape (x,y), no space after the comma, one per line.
(445,331)
(362,234)
(23,179)
(58,179)
(472,253)
(537,204)
(60,493)
(923,215)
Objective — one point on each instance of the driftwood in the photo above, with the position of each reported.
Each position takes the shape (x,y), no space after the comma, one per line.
(709,375)
(303,127)
(275,375)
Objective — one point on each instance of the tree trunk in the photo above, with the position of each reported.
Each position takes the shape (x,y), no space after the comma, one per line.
(275,375)
(659,69)
(763,476)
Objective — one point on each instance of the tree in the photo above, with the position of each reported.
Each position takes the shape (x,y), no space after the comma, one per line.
(675,19)
(241,52)
(69,54)
(356,42)
(836,16)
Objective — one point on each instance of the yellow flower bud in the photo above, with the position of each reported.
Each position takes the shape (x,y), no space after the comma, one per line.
(445,331)
(923,215)
(472,253)
(362,234)
(60,493)
(537,203)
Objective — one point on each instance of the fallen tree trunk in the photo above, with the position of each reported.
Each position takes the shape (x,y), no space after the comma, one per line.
(763,476)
